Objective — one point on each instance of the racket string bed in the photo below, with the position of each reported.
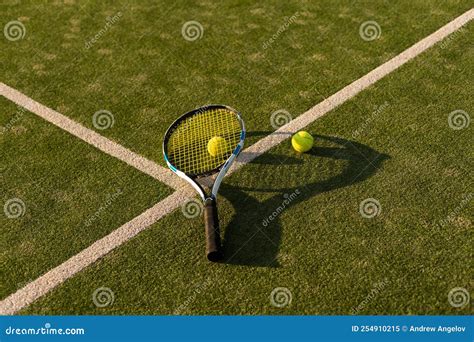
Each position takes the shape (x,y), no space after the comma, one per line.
(188,144)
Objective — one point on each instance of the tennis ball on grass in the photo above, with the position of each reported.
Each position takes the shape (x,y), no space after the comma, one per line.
(302,141)
(217,146)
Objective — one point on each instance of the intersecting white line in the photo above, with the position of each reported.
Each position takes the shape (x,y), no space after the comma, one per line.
(108,146)
(47,282)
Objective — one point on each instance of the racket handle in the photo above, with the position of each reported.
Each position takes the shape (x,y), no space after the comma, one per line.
(213,237)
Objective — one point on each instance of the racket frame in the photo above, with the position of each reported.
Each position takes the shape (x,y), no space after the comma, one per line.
(221,170)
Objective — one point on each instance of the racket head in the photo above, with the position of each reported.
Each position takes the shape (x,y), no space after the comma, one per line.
(185,145)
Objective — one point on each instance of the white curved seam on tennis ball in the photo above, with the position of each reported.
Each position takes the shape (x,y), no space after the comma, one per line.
(55,277)
(102,143)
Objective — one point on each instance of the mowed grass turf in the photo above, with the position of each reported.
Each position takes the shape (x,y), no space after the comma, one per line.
(71,195)
(391,143)
(142,70)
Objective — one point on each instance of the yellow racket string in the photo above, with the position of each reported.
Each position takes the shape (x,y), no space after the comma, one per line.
(188,143)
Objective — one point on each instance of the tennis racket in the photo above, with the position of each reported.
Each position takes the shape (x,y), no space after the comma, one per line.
(202,143)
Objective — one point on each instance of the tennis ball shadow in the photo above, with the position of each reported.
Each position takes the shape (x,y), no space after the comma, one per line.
(253,238)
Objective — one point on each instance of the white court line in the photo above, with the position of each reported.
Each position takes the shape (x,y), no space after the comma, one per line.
(349,91)
(44,284)
(108,146)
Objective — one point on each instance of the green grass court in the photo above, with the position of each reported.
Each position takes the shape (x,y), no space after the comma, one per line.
(392,143)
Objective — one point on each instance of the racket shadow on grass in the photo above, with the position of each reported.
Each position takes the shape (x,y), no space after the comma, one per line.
(253,235)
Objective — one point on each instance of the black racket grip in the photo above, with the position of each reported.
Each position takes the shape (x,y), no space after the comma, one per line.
(213,237)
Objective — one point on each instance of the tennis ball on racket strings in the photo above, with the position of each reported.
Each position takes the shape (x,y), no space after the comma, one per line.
(302,141)
(217,146)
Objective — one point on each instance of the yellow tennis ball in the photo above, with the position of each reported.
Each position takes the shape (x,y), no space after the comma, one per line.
(302,141)
(217,146)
